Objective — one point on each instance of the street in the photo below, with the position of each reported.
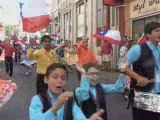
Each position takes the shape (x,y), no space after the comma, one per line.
(114,33)
(17,107)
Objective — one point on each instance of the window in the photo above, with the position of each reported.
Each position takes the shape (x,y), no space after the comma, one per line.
(99,20)
(151,19)
(138,25)
(70,25)
(66,27)
(114,18)
(99,14)
(80,9)
(80,20)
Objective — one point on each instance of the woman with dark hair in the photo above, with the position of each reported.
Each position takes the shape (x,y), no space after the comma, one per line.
(91,94)
(55,103)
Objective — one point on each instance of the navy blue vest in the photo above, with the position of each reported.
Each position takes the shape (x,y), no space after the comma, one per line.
(45,99)
(90,106)
(144,66)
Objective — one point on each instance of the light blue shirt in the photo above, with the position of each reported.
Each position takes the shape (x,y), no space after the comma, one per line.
(82,92)
(36,108)
(135,52)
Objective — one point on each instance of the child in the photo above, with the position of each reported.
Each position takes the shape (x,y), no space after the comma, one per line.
(27,63)
(91,95)
(55,104)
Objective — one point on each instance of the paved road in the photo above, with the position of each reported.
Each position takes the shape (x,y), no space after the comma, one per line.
(17,107)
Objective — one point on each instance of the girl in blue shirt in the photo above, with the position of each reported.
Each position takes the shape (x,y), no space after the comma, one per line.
(55,104)
(91,95)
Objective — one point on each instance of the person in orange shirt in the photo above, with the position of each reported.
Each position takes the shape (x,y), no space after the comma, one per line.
(85,54)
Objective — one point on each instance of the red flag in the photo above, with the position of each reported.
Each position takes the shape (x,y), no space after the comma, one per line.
(142,40)
(35,17)
(35,24)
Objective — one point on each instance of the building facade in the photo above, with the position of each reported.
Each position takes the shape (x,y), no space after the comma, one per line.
(73,19)
(138,13)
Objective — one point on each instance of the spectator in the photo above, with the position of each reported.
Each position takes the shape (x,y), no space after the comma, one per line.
(107,53)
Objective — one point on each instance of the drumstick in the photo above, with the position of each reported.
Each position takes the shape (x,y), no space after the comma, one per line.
(151,81)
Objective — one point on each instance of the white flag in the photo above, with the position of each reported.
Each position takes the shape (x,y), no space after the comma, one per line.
(9,12)
(35,15)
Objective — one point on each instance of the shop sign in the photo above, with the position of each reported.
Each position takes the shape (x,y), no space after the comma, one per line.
(140,8)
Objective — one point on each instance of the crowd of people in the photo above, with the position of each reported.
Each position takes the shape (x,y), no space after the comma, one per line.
(140,75)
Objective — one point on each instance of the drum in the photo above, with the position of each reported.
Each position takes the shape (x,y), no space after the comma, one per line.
(147,101)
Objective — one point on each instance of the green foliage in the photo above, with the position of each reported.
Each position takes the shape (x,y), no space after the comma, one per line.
(9,30)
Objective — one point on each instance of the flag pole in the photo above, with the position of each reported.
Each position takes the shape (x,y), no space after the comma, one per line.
(140,38)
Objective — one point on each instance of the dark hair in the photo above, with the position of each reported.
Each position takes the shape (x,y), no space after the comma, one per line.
(150,27)
(89,65)
(53,66)
(45,37)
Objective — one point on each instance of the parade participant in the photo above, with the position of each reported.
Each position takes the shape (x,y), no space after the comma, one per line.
(44,57)
(55,104)
(8,51)
(28,64)
(18,52)
(91,94)
(85,54)
(7,88)
(145,59)
(70,54)
(107,54)
(122,52)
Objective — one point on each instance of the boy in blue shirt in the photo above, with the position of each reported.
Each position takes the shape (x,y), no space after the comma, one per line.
(145,59)
(91,95)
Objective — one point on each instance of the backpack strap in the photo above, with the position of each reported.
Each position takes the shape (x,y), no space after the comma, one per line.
(46,102)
